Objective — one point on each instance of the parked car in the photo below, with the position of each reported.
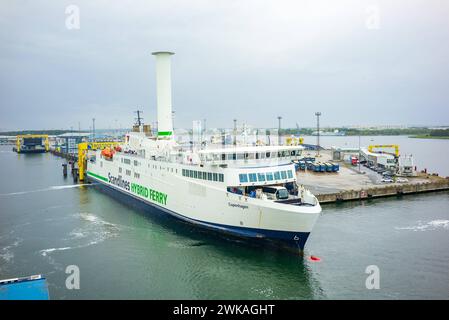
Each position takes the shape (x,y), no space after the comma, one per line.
(401,180)
(387,180)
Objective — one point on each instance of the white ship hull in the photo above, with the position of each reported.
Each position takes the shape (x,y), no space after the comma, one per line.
(208,206)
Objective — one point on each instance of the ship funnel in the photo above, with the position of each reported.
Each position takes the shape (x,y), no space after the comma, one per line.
(163,91)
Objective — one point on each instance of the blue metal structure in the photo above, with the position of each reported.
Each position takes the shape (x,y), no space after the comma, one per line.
(26,288)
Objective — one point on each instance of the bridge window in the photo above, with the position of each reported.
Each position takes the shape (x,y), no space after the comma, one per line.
(128,172)
(243,177)
(195,174)
(277,175)
(200,175)
(269,176)
(191,173)
(261,177)
(252,177)
(223,156)
(136,175)
(221,177)
(284,175)
(267,154)
(204,175)
(215,176)
(209,176)
(290,174)
(126,160)
(239,156)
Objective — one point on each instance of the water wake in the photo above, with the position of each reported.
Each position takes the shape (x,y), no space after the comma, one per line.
(52,188)
(7,252)
(93,231)
(431,225)
(46,251)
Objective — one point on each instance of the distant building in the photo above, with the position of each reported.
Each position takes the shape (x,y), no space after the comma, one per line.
(68,142)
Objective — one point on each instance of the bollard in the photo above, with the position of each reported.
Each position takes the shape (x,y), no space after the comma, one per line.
(64,169)
(75,174)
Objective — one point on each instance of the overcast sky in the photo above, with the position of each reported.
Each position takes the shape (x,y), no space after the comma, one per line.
(358,62)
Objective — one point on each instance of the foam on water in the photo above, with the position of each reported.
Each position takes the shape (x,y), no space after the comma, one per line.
(93,231)
(46,251)
(52,188)
(431,225)
(7,252)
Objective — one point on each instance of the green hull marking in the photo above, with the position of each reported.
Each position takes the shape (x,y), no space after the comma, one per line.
(97,176)
(164,133)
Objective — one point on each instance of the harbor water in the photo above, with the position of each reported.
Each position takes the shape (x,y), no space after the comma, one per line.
(47,223)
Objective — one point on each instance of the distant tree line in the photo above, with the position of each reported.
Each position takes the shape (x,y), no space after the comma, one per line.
(439,133)
(363,132)
(295,131)
(387,132)
(49,132)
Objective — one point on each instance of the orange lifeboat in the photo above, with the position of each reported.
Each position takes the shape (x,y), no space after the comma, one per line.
(107,153)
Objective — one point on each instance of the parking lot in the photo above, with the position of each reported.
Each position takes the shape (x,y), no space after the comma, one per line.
(348,178)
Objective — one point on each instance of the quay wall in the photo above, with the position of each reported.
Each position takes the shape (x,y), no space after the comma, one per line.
(384,191)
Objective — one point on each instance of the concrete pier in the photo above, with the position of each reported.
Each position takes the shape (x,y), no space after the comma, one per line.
(384,191)
(349,184)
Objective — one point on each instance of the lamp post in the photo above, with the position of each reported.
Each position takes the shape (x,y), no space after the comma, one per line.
(359,154)
(279,130)
(318,114)
(235,132)
(93,129)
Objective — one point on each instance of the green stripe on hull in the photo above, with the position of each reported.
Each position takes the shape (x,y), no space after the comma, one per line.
(164,133)
(97,176)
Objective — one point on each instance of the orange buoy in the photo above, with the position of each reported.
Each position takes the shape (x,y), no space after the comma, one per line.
(314,258)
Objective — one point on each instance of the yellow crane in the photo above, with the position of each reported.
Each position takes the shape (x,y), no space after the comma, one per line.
(82,152)
(293,141)
(385,146)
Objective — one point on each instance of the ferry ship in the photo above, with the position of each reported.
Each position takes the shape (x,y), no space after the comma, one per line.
(248,191)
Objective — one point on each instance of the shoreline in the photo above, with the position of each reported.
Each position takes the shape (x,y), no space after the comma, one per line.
(429,137)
